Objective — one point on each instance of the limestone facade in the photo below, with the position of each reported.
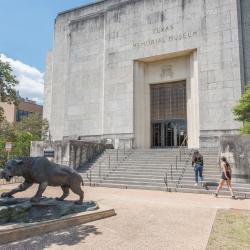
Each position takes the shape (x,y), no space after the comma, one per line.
(107,54)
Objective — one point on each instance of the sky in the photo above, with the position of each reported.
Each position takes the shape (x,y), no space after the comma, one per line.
(26,34)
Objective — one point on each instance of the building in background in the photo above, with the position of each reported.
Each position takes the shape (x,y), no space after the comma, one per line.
(16,114)
(150,72)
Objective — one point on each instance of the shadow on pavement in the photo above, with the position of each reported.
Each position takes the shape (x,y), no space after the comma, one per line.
(67,237)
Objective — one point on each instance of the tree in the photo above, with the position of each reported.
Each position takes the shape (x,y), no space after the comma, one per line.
(242,111)
(8,83)
(7,134)
(2,116)
(35,125)
(21,146)
(31,128)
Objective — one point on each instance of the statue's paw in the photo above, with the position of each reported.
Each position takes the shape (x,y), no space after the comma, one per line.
(35,199)
(78,202)
(5,194)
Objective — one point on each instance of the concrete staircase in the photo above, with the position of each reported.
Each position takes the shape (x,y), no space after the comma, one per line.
(143,169)
(156,169)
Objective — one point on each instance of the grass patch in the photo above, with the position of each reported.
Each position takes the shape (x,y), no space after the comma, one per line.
(231,230)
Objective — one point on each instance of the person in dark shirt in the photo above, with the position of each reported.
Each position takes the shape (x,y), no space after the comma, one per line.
(197,163)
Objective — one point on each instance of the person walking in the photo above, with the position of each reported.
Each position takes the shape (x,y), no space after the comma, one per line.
(197,163)
(226,173)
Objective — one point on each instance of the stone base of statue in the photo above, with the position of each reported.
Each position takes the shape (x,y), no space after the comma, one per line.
(22,210)
(20,218)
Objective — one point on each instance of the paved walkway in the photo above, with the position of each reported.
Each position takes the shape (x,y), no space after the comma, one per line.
(145,220)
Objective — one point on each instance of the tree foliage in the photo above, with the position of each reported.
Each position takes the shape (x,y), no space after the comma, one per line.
(31,128)
(35,125)
(21,146)
(7,134)
(8,83)
(242,111)
(2,116)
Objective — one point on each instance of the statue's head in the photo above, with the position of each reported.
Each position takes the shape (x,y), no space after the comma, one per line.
(12,168)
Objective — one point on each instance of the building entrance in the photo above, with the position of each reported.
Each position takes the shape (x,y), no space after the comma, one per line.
(168,114)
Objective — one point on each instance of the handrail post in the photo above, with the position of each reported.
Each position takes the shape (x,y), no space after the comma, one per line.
(182,145)
(90,180)
(99,171)
(117,154)
(176,158)
(171,172)
(166,180)
(124,147)
(109,161)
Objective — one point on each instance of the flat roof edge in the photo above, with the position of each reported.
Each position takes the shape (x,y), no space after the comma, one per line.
(80,7)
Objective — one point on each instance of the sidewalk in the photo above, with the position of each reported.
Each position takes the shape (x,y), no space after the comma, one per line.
(145,220)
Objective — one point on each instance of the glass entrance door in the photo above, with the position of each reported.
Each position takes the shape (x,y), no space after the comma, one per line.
(157,134)
(168,114)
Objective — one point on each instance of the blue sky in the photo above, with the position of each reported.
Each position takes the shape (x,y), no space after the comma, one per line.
(26,34)
(26,28)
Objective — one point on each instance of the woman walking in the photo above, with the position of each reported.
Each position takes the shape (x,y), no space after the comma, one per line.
(226,173)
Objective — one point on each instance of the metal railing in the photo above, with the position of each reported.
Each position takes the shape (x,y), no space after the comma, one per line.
(188,159)
(89,177)
(165,178)
(182,146)
(119,159)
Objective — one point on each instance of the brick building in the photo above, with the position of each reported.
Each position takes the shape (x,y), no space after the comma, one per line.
(25,107)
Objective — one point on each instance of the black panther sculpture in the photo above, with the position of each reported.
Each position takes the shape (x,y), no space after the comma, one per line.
(40,170)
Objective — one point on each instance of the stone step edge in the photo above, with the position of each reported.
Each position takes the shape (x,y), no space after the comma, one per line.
(245,195)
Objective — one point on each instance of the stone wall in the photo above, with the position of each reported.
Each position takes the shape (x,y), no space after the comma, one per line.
(236,148)
(71,153)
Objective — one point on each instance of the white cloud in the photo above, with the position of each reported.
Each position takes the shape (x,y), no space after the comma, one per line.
(30,79)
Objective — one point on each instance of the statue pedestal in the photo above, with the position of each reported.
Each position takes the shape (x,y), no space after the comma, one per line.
(20,218)
(16,210)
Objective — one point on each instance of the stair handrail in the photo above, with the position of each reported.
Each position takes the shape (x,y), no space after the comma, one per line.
(100,163)
(96,164)
(184,168)
(182,145)
(165,178)
(125,156)
(89,177)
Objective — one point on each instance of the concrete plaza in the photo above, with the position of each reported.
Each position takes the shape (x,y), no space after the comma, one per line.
(145,220)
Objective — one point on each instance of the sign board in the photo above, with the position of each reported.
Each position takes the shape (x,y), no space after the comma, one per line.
(49,153)
(8,146)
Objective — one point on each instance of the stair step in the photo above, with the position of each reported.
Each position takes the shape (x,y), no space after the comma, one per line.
(203,191)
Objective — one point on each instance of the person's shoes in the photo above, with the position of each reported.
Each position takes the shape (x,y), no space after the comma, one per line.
(215,195)
(233,197)
(196,184)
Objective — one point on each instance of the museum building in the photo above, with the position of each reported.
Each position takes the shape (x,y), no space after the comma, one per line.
(148,73)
